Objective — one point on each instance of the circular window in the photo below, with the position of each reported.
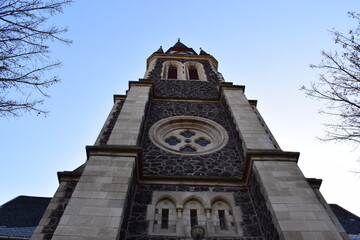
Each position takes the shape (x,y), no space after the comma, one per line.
(188,135)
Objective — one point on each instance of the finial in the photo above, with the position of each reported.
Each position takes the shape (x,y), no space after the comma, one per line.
(161,47)
(178,39)
(200,48)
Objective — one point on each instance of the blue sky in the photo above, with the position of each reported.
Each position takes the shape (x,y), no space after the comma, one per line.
(265,45)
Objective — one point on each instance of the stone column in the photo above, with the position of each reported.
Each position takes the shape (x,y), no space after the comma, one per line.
(96,208)
(127,126)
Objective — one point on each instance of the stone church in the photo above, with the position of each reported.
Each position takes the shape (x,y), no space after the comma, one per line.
(185,155)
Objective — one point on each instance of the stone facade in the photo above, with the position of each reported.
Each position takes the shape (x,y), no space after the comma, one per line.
(181,149)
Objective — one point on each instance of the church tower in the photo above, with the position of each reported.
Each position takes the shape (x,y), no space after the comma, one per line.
(185,155)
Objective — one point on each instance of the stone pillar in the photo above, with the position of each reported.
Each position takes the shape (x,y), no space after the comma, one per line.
(96,208)
(252,129)
(296,211)
(127,126)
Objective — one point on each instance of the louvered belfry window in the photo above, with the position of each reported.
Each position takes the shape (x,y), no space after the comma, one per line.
(172,72)
(165,219)
(193,217)
(193,73)
(222,220)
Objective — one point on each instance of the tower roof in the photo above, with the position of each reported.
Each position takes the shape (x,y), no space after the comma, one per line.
(179,44)
(160,50)
(180,48)
(202,52)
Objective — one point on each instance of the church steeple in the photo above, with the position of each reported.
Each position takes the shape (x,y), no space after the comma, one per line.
(184,151)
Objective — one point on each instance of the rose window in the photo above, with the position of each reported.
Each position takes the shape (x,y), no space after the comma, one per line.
(188,135)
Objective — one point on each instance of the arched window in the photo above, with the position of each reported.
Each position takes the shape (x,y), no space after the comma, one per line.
(172,72)
(194,214)
(193,73)
(165,216)
(223,217)
(191,70)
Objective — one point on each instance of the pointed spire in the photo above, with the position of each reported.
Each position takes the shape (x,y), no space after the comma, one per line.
(202,52)
(179,44)
(180,48)
(160,50)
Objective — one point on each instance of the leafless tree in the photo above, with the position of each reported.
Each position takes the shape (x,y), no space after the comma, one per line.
(24,53)
(339,85)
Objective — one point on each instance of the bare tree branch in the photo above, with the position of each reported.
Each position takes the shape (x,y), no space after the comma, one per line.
(24,49)
(339,86)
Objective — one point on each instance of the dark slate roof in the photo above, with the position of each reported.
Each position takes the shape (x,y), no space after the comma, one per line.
(160,50)
(354,236)
(16,233)
(349,221)
(20,216)
(179,44)
(202,52)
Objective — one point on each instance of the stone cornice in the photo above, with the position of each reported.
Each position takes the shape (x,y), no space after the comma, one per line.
(314,183)
(113,150)
(68,176)
(266,155)
(230,86)
(271,155)
(119,97)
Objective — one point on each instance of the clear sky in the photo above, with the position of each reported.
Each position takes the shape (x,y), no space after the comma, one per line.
(265,45)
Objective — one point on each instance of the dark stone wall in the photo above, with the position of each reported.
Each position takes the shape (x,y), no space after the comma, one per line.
(55,215)
(127,206)
(185,88)
(227,162)
(262,211)
(110,125)
(136,227)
